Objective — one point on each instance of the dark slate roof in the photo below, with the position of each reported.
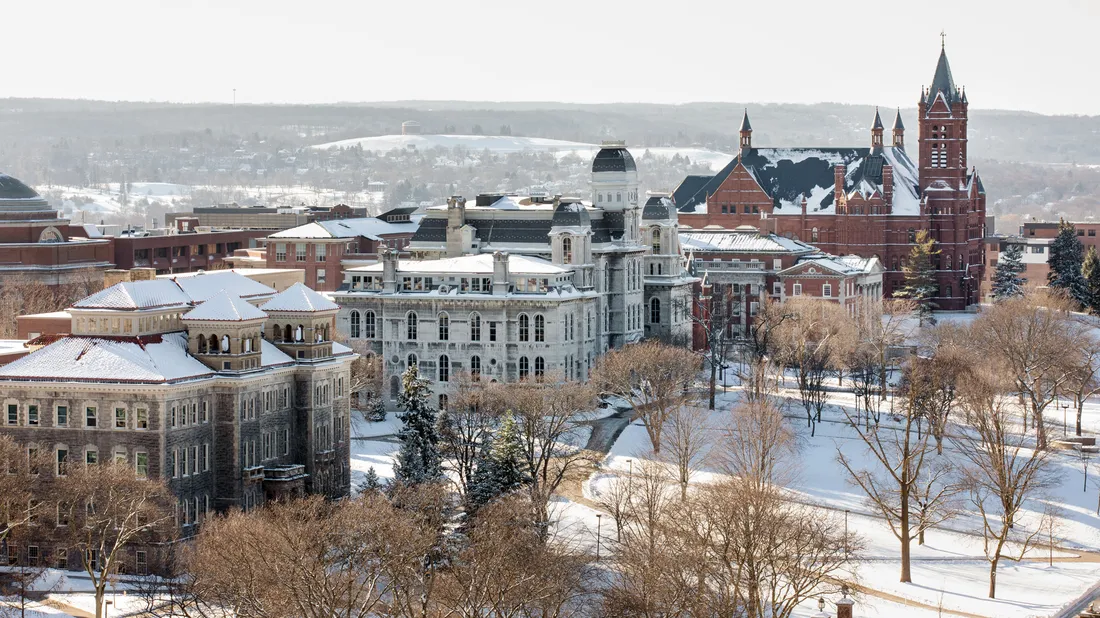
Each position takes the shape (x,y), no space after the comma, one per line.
(614,222)
(432,229)
(745,125)
(897,122)
(13,189)
(489,230)
(877,124)
(656,208)
(571,214)
(689,187)
(613,159)
(943,80)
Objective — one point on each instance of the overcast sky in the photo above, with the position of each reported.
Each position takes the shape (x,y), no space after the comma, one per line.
(1039,56)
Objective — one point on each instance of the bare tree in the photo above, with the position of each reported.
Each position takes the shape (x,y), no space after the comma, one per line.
(366,379)
(1084,373)
(652,376)
(110,509)
(759,343)
(910,492)
(881,327)
(473,409)
(934,380)
(759,445)
(615,499)
(1002,472)
(686,435)
(716,317)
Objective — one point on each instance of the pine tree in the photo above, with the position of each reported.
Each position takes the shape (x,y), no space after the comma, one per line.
(1091,272)
(1067,256)
(371,483)
(419,460)
(501,466)
(920,277)
(1007,281)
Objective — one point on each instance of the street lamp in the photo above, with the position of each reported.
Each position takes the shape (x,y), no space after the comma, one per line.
(1065,424)
(821,604)
(599,524)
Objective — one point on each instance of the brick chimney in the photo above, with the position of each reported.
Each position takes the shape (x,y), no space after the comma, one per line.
(839,172)
(888,187)
(389,268)
(115,275)
(844,605)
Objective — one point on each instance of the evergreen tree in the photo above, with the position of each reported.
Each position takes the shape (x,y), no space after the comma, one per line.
(920,277)
(1066,257)
(1091,272)
(419,460)
(371,483)
(1007,281)
(501,467)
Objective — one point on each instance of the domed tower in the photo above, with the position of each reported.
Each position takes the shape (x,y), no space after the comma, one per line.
(571,239)
(224,333)
(301,322)
(615,188)
(659,234)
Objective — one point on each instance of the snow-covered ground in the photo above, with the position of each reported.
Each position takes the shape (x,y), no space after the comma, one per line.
(504,144)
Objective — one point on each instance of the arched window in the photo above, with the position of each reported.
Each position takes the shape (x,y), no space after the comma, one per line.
(567,250)
(299,334)
(655,311)
(287,337)
(225,344)
(410,361)
(212,341)
(524,327)
(813,235)
(444,327)
(659,268)
(540,329)
(475,368)
(355,326)
(248,344)
(395,387)
(411,323)
(202,344)
(540,367)
(444,372)
(368,325)
(442,401)
(475,327)
(523,368)
(651,268)
(656,240)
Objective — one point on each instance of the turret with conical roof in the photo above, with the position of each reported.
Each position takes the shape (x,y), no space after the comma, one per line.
(943,81)
(899,131)
(746,131)
(876,131)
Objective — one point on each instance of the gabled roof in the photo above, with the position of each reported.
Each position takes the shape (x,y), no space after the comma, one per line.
(150,359)
(225,307)
(134,295)
(369,227)
(846,266)
(744,239)
(201,286)
(299,298)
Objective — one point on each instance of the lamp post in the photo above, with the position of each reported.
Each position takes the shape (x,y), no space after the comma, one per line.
(599,524)
(1065,423)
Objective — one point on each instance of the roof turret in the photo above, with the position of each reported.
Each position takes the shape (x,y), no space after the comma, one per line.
(224,307)
(943,81)
(613,157)
(877,123)
(298,298)
(745,124)
(898,126)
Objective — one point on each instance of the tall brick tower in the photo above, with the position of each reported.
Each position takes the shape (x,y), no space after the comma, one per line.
(953,202)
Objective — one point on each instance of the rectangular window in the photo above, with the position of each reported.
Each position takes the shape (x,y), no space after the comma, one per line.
(62,416)
(172,417)
(32,414)
(194,414)
(1092,232)
(89,417)
(300,252)
(319,252)
(62,457)
(141,563)
(777,288)
(195,459)
(280,252)
(286,442)
(753,307)
(206,457)
(32,555)
(142,464)
(322,277)
(61,558)
(827,290)
(492,331)
(796,289)
(205,412)
(1038,249)
(142,418)
(170,463)
(183,461)
(13,414)
(91,457)
(120,418)
(120,457)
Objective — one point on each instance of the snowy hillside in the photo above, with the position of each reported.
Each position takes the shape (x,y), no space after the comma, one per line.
(504,144)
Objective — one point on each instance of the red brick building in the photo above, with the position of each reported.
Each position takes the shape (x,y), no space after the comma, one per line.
(867,201)
(1035,237)
(186,250)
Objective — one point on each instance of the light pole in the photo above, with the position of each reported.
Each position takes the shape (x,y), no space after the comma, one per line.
(599,523)
(1065,424)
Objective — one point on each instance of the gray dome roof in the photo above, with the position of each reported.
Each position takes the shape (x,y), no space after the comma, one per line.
(571,214)
(614,159)
(13,189)
(657,208)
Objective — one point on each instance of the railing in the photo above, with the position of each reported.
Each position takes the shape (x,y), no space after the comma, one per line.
(721,265)
(254,473)
(285,473)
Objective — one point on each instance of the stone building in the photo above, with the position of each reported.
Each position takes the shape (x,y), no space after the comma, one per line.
(867,201)
(230,391)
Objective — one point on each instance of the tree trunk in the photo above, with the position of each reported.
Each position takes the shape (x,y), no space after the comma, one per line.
(906,575)
(713,380)
(1080,411)
(993,577)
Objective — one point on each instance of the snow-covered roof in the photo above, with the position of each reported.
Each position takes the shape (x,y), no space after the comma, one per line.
(225,307)
(134,295)
(369,227)
(203,285)
(744,239)
(151,359)
(271,355)
(846,265)
(301,299)
(480,264)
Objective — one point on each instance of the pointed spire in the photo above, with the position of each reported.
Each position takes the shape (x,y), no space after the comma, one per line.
(877,124)
(898,126)
(745,126)
(943,81)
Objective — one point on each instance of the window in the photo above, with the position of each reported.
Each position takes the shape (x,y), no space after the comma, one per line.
(368,325)
(62,416)
(492,331)
(567,250)
(62,457)
(89,416)
(355,326)
(299,252)
(912,235)
(13,414)
(1092,232)
(442,402)
(655,311)
(319,252)
(796,289)
(183,461)
(540,329)
(120,418)
(141,563)
(827,290)
(91,456)
(206,457)
(475,327)
(61,558)
(143,417)
(444,369)
(322,276)
(656,240)
(475,368)
(524,328)
(523,368)
(62,514)
(540,367)
(120,456)
(777,288)
(410,325)
(813,235)
(280,252)
(444,327)
(410,361)
(1034,249)
(141,463)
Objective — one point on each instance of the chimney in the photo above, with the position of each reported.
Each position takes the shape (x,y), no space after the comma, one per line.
(389,269)
(456,218)
(115,275)
(888,187)
(500,273)
(143,274)
(839,173)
